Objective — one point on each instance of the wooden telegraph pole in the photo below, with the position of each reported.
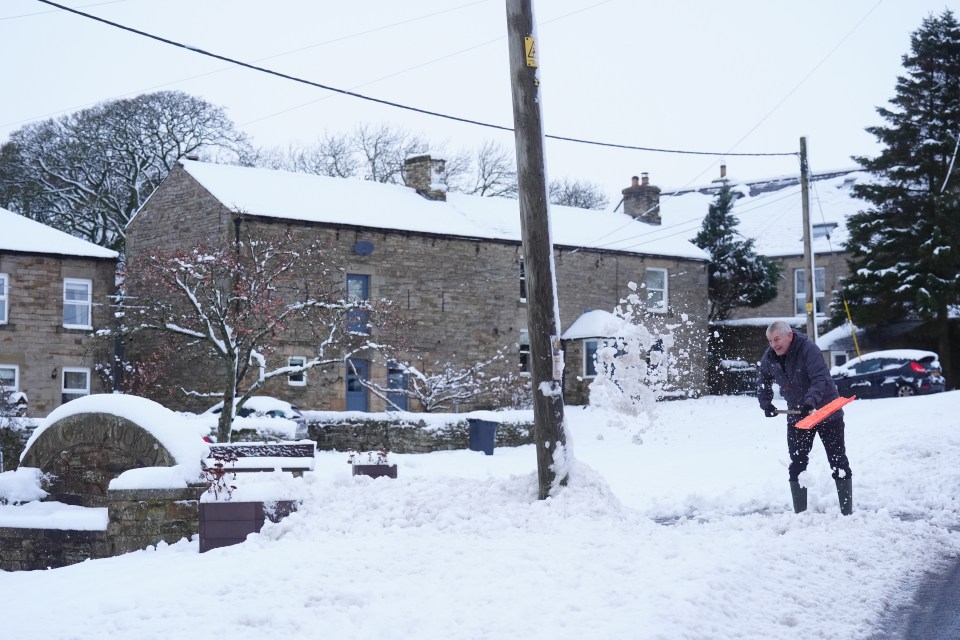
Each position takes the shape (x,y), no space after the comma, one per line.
(543,317)
(808,241)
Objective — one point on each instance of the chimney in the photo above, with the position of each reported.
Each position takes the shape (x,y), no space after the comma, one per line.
(427,176)
(723,171)
(641,200)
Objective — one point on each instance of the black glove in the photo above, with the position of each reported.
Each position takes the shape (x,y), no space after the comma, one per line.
(805,410)
(770,411)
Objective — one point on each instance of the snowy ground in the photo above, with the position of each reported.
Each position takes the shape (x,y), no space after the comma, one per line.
(686,535)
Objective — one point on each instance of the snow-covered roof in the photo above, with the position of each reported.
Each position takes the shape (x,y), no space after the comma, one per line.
(594,324)
(24,235)
(771,212)
(363,203)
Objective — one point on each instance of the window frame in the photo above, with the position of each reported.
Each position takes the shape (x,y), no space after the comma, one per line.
(663,304)
(73,391)
(523,353)
(292,380)
(357,319)
(523,281)
(819,297)
(4,298)
(587,362)
(88,304)
(16,378)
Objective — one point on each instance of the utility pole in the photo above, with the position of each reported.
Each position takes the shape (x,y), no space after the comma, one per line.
(808,241)
(543,317)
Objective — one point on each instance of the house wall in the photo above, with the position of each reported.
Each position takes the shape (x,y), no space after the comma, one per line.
(459,297)
(835,268)
(34,339)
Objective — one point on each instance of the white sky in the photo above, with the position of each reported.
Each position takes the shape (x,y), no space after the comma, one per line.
(687,535)
(742,75)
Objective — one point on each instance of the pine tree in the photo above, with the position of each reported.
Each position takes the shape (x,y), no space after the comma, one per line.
(738,277)
(905,246)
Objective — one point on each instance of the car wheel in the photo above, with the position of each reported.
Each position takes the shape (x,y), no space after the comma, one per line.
(905,390)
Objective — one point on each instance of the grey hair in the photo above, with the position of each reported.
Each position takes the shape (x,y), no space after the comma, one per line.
(779,327)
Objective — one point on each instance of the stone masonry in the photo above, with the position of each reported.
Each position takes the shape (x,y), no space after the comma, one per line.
(34,338)
(459,297)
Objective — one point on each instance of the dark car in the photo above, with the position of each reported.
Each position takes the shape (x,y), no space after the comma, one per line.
(890,374)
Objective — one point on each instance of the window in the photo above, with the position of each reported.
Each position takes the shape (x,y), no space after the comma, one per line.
(4,297)
(76,383)
(358,290)
(524,352)
(590,358)
(9,377)
(824,230)
(656,290)
(837,358)
(297,379)
(800,290)
(523,282)
(77,301)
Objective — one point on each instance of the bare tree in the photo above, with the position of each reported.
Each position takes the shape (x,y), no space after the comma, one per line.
(234,306)
(444,386)
(384,150)
(333,155)
(495,173)
(88,172)
(583,194)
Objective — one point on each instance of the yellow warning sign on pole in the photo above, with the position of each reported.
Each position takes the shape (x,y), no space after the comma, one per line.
(531,49)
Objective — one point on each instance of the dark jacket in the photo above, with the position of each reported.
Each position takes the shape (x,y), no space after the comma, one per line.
(802,374)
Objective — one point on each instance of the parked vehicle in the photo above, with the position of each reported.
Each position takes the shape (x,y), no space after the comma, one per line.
(890,374)
(264,407)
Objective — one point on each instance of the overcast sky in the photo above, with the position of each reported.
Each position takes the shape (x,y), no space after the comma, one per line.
(742,76)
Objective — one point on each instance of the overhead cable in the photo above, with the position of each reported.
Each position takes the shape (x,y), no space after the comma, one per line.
(388,103)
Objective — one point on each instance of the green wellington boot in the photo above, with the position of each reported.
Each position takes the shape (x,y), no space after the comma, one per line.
(845,494)
(799,496)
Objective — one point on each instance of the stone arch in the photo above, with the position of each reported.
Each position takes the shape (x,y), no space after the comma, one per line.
(85,451)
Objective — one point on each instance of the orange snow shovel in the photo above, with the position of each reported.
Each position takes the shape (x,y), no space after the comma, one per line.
(820,414)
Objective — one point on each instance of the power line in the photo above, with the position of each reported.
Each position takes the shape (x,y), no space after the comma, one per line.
(388,103)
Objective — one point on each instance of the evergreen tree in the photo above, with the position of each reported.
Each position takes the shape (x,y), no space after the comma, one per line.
(738,277)
(905,246)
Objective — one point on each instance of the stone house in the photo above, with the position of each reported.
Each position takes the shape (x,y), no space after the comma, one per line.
(55,291)
(453,263)
(770,212)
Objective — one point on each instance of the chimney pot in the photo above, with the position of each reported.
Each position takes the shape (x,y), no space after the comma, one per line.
(723,171)
(641,200)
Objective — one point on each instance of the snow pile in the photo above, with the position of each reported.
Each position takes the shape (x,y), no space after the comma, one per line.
(688,535)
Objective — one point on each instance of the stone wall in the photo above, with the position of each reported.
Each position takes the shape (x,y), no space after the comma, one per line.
(372,435)
(137,519)
(34,338)
(32,549)
(143,517)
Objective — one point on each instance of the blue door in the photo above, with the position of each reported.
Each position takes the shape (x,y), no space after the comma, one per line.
(358,398)
(396,379)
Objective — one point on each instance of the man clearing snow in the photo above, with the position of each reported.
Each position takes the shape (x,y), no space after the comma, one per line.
(797,366)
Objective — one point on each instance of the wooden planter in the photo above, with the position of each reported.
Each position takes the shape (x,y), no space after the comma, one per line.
(375,470)
(225,523)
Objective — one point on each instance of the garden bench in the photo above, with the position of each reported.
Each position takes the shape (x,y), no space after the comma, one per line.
(293,457)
